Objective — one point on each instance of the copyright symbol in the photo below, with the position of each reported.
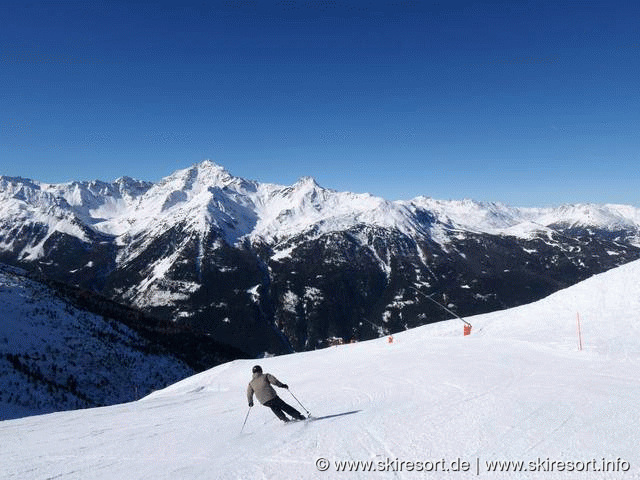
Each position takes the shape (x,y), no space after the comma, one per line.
(322,464)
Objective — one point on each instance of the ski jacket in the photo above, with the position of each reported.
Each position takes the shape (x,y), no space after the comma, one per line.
(260,384)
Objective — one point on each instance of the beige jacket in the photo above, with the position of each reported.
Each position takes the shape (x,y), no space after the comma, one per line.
(261,386)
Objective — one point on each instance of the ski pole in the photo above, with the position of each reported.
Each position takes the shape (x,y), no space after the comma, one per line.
(308,413)
(245,420)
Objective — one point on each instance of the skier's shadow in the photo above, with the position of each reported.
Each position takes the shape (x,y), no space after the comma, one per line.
(315,419)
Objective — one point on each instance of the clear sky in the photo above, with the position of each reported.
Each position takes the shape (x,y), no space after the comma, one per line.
(530,103)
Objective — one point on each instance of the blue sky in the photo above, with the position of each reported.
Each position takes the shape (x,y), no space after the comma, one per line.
(528,103)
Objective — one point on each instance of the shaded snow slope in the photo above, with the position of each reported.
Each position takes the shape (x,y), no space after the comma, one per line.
(516,390)
(56,356)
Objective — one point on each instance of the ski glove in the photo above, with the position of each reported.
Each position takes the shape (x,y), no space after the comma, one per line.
(250,404)
(285,386)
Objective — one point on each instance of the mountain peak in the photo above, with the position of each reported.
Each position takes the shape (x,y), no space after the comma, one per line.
(198,176)
(208,165)
(306,180)
(306,185)
(209,173)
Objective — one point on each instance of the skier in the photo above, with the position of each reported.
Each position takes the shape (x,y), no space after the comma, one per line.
(260,384)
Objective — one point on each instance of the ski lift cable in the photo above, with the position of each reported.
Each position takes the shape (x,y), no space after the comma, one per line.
(442,306)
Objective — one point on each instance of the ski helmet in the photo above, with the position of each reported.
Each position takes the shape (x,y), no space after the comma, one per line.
(257,369)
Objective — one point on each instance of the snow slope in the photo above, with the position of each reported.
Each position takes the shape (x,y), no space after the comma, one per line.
(516,390)
(56,356)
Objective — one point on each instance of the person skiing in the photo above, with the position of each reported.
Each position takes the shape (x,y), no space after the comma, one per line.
(260,384)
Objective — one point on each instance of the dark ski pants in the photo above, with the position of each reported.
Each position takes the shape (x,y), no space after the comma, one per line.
(277,405)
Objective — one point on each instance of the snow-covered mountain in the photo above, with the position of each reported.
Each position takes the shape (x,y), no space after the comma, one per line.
(515,399)
(63,348)
(210,197)
(277,268)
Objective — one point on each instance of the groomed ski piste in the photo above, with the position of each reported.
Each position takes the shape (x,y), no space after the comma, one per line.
(515,399)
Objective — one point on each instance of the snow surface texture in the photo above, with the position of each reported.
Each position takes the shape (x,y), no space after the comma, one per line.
(517,389)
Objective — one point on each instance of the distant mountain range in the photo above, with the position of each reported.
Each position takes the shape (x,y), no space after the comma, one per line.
(271,269)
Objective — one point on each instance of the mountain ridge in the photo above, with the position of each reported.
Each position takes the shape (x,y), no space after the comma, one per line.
(273,268)
(83,200)
(208,182)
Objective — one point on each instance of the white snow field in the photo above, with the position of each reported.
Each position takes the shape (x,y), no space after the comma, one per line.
(432,404)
